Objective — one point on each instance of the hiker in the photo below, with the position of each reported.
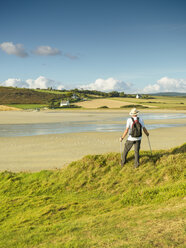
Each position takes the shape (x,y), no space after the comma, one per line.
(134,125)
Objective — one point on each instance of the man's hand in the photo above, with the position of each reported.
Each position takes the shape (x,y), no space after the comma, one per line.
(124,134)
(145,131)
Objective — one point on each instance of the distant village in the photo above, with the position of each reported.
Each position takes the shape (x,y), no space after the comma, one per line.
(65,103)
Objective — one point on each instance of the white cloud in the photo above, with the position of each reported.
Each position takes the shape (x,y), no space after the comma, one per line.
(166,84)
(14,49)
(109,84)
(15,82)
(40,82)
(46,51)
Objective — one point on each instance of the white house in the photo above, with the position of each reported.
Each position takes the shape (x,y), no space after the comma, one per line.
(64,103)
(75,97)
(138,96)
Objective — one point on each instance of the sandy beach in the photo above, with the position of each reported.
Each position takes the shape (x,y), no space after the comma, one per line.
(20,117)
(35,153)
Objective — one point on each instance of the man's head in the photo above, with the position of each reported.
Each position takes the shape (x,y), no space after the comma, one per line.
(134,112)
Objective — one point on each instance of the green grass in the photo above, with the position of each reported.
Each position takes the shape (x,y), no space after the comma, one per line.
(139,106)
(159,102)
(28,106)
(94,203)
(51,91)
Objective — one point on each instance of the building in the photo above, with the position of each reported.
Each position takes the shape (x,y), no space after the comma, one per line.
(75,97)
(138,96)
(64,103)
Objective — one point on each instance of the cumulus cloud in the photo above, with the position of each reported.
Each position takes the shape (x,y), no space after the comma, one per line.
(15,82)
(107,85)
(14,49)
(40,82)
(166,84)
(18,50)
(46,51)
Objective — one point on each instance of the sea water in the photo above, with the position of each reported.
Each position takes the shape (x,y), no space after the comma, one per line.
(12,130)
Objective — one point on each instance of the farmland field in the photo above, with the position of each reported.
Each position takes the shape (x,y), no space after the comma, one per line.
(158,102)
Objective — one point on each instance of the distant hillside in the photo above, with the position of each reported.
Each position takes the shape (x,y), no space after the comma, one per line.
(168,94)
(11,95)
(94,202)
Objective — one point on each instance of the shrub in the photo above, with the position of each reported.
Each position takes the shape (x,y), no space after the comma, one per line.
(103,107)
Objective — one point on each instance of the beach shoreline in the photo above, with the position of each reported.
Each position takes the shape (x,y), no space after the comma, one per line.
(54,151)
(48,116)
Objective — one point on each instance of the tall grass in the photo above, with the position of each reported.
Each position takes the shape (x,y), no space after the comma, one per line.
(94,203)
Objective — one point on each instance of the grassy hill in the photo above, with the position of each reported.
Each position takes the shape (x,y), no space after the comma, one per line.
(158,102)
(37,98)
(169,94)
(94,203)
(11,95)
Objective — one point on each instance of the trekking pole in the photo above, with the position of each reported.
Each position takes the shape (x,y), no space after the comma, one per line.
(149,145)
(121,149)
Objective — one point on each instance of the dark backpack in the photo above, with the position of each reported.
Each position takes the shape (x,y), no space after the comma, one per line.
(136,130)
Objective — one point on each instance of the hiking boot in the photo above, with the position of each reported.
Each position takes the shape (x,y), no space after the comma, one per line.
(122,163)
(136,166)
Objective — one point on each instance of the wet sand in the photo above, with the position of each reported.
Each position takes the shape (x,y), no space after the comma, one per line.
(22,117)
(35,153)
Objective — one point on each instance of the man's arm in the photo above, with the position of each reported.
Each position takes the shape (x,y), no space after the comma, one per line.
(124,134)
(145,131)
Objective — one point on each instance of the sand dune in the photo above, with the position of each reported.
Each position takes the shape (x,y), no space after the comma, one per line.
(7,108)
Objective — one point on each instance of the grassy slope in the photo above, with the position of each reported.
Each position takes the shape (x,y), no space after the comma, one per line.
(159,102)
(30,98)
(10,95)
(95,203)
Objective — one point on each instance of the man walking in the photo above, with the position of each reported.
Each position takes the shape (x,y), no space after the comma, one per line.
(134,126)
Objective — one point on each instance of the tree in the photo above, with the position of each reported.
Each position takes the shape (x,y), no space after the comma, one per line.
(69,94)
(113,94)
(122,94)
(54,103)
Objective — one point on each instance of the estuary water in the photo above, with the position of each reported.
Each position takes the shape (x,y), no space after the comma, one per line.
(9,130)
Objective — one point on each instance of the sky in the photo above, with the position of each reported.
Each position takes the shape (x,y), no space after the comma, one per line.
(135,46)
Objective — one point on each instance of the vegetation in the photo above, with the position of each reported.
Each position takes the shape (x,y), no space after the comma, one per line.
(95,203)
(158,102)
(10,95)
(20,97)
(103,107)
(133,106)
(169,94)
(28,106)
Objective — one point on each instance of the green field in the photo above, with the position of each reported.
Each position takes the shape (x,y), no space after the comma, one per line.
(28,106)
(37,98)
(158,102)
(94,203)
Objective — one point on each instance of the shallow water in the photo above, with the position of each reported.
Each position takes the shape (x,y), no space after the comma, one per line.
(158,116)
(57,128)
(9,130)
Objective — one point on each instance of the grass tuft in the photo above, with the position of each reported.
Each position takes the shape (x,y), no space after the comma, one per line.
(94,202)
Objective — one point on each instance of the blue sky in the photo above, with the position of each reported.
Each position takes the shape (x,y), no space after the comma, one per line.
(131,46)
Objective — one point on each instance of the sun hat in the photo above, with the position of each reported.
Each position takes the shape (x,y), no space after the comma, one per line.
(134,111)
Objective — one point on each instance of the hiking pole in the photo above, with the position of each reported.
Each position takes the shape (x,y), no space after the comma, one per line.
(149,145)
(121,149)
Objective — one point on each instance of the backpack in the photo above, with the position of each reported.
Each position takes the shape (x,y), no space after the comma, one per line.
(136,130)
